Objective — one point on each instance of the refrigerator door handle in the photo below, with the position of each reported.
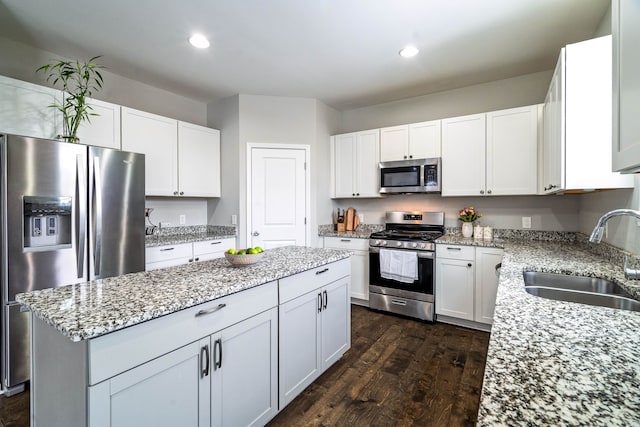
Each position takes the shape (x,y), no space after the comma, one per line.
(81,214)
(97,205)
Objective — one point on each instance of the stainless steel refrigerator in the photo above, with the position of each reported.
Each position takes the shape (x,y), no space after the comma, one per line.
(70,214)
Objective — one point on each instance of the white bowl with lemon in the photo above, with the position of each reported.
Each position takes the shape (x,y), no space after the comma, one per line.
(243,257)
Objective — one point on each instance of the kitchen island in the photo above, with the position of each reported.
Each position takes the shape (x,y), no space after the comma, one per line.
(559,363)
(198,344)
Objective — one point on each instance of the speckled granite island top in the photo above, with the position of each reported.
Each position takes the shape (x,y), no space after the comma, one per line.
(91,309)
(560,363)
(176,239)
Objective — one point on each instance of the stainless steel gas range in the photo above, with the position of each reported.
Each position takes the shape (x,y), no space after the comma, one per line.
(402,264)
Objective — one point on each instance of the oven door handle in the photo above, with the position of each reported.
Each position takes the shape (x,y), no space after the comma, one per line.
(421,254)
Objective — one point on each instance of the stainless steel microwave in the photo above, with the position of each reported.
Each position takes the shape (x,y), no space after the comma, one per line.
(411,176)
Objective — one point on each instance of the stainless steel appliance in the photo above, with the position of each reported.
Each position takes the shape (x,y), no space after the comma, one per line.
(413,233)
(69,214)
(411,176)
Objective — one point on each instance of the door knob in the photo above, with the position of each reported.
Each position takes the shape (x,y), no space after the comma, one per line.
(255,233)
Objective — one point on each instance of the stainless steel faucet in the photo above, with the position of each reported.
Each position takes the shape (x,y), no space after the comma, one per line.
(598,231)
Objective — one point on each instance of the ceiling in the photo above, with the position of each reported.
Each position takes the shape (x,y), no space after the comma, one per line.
(342,52)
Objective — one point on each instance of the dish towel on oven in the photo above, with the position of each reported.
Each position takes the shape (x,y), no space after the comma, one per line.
(401,266)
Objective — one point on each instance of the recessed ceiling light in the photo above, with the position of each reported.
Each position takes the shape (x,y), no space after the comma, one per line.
(199,41)
(409,52)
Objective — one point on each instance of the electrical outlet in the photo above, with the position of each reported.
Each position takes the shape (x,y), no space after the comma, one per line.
(165,224)
(234,219)
(183,219)
(526,222)
(361,218)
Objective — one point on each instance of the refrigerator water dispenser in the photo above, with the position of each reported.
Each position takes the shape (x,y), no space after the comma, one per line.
(47,223)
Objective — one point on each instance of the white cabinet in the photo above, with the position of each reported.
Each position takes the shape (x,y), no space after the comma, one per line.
(486,286)
(354,164)
(164,391)
(157,138)
(171,255)
(578,126)
(103,129)
(359,264)
(512,151)
(491,154)
(455,281)
(25,109)
(413,141)
(466,284)
(198,161)
(243,366)
(181,159)
(625,18)
(315,325)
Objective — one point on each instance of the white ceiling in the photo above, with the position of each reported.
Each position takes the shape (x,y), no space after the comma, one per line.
(343,52)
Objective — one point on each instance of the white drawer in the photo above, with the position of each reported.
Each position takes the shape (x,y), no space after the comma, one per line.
(119,351)
(466,253)
(299,284)
(213,246)
(346,243)
(164,253)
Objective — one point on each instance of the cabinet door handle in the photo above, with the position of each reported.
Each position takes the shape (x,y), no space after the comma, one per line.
(182,193)
(166,249)
(215,243)
(175,193)
(481,191)
(326,300)
(469,265)
(211,310)
(190,259)
(324,270)
(197,259)
(488,191)
(204,358)
(217,350)
(449,248)
(320,303)
(345,240)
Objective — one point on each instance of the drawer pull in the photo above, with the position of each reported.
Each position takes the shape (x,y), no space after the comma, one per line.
(345,240)
(211,310)
(453,249)
(166,249)
(398,302)
(322,271)
(215,243)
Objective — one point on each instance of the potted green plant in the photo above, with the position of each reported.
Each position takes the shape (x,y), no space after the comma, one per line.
(79,81)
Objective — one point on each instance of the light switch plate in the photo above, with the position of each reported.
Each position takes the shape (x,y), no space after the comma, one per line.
(234,219)
(183,219)
(526,222)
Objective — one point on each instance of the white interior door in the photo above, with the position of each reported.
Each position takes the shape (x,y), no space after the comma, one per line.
(277,198)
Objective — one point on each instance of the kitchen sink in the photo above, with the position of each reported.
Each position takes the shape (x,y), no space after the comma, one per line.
(583,290)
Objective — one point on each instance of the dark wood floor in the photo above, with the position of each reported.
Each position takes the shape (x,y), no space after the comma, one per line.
(399,372)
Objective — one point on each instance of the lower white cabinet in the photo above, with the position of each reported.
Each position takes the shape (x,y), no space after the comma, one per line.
(466,283)
(359,263)
(183,253)
(455,281)
(315,326)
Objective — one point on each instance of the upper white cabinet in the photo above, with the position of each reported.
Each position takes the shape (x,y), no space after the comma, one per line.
(626,85)
(157,138)
(354,163)
(25,109)
(181,159)
(512,151)
(414,141)
(103,129)
(577,121)
(493,154)
(198,160)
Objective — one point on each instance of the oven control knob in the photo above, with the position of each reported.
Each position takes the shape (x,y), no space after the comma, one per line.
(423,245)
(383,243)
(398,244)
(414,245)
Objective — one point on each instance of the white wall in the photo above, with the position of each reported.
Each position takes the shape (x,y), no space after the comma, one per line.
(275,120)
(514,92)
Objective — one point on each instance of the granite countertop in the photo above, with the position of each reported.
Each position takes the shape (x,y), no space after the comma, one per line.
(95,308)
(175,239)
(357,234)
(560,363)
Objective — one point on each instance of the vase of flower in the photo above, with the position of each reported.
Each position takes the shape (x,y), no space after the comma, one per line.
(467,229)
(467,216)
